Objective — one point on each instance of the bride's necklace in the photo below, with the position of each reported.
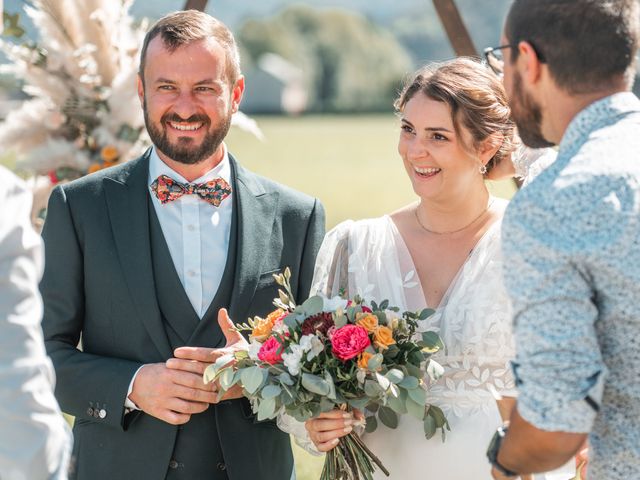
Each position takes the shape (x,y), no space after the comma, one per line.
(415,211)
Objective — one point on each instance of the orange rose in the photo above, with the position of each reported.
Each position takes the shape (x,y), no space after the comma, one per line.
(363,360)
(262,326)
(109,153)
(367,321)
(383,337)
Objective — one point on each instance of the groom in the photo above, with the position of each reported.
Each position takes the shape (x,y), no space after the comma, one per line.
(571,239)
(140,258)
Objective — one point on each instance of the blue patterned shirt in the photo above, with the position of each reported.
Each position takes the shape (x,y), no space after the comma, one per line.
(571,241)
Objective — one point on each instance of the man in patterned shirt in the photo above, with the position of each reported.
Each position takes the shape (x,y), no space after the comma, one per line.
(572,239)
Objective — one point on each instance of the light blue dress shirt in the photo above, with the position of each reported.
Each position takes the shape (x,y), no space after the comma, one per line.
(571,242)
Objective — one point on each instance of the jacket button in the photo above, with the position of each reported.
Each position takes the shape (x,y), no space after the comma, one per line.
(173,464)
(221,466)
(90,411)
(102,413)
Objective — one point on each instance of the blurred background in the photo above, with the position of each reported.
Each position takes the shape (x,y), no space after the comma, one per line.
(321,78)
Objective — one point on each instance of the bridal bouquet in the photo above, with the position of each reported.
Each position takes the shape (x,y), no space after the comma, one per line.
(336,353)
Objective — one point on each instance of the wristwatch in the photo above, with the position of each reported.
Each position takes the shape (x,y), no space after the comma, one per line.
(494,448)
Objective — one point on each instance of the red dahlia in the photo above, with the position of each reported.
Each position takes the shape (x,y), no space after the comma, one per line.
(321,323)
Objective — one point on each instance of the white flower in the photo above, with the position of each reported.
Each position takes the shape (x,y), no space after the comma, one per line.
(254,348)
(334,303)
(312,345)
(292,360)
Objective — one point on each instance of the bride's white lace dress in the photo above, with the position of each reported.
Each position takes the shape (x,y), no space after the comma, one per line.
(370,258)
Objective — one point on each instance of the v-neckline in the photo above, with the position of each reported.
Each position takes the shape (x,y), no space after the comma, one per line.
(456,277)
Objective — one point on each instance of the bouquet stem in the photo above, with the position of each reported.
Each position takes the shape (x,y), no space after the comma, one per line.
(351,460)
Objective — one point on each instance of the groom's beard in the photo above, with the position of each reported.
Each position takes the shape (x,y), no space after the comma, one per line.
(183,151)
(527,115)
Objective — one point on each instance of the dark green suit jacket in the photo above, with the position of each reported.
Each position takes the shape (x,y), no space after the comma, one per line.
(99,289)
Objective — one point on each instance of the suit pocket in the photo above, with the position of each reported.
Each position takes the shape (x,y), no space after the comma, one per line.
(266,279)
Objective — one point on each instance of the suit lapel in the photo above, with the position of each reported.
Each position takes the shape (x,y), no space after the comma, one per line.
(126,195)
(256,213)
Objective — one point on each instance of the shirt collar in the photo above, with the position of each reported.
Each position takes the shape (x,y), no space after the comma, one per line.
(600,113)
(157,167)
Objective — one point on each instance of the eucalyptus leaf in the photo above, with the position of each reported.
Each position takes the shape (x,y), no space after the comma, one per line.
(418,395)
(372,389)
(388,417)
(395,376)
(409,383)
(315,384)
(429,427)
(398,404)
(432,342)
(375,362)
(266,409)
(271,391)
(414,371)
(426,313)
(340,321)
(415,409)
(358,403)
(383,381)
(252,379)
(227,378)
(438,416)
(372,424)
(209,374)
(313,305)
(332,388)
(286,379)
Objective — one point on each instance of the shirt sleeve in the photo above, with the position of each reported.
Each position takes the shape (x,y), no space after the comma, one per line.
(549,247)
(35,440)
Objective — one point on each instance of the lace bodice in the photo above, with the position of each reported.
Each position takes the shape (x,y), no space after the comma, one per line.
(370,258)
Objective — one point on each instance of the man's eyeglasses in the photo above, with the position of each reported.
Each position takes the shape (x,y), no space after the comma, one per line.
(495,59)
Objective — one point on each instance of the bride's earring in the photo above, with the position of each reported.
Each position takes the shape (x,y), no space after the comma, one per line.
(483,169)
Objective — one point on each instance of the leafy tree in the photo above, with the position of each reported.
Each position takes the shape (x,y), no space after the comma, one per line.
(350,64)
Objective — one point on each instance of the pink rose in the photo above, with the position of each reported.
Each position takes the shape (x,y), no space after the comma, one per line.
(349,341)
(271,351)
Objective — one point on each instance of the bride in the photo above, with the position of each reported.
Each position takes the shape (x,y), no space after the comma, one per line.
(442,252)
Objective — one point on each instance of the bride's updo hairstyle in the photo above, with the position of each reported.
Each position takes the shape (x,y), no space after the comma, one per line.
(476,98)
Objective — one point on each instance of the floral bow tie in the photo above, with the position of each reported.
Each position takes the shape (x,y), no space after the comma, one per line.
(167,190)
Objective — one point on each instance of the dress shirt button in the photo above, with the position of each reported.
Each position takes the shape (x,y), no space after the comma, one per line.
(191,228)
(221,466)
(102,413)
(173,464)
(191,273)
(90,411)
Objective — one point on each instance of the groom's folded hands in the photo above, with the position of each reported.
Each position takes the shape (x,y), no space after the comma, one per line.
(196,359)
(169,394)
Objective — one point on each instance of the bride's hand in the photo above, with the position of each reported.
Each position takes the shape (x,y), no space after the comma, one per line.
(326,429)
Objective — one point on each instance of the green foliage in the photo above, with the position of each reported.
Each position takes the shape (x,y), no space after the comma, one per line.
(340,53)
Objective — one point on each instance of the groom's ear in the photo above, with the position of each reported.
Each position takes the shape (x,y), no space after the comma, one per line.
(140,85)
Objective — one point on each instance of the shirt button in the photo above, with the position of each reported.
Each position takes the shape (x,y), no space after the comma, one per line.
(221,466)
(191,228)
(191,273)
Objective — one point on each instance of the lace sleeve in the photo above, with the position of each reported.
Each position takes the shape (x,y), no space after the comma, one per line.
(290,425)
(331,273)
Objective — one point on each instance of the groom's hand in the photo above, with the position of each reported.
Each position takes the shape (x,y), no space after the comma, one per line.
(197,359)
(170,395)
